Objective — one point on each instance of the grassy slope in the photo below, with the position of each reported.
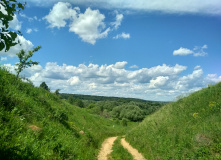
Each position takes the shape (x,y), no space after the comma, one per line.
(55,124)
(187,129)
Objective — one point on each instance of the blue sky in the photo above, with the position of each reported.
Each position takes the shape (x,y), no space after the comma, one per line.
(153,51)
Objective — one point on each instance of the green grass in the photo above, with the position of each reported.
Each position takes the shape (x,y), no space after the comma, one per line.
(58,124)
(187,129)
(119,152)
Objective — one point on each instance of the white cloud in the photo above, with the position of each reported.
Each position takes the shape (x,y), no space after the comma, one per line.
(15,24)
(169,6)
(24,44)
(158,82)
(3,59)
(2,9)
(29,30)
(30,19)
(161,82)
(182,51)
(134,66)
(197,51)
(74,80)
(59,14)
(90,26)
(197,67)
(120,65)
(119,18)
(122,35)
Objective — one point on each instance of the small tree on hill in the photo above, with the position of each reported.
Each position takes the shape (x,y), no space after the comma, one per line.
(45,86)
(57,92)
(23,60)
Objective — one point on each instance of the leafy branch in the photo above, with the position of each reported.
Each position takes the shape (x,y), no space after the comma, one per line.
(24,61)
(7,12)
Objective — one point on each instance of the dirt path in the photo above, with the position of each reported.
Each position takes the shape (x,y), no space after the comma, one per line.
(136,155)
(106,148)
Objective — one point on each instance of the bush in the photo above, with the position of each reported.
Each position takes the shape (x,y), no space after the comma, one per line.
(124,122)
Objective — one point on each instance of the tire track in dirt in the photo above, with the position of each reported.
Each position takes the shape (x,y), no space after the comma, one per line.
(106,148)
(136,155)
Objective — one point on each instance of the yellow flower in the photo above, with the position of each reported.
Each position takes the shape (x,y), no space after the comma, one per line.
(212,104)
(195,115)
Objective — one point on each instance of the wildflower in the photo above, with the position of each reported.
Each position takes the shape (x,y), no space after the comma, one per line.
(212,104)
(195,115)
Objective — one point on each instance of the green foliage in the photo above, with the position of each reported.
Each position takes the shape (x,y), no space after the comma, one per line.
(130,112)
(44,86)
(92,105)
(71,100)
(114,107)
(23,60)
(8,10)
(124,122)
(57,92)
(187,129)
(79,103)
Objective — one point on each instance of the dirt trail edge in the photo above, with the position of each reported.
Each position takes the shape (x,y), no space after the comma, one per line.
(136,155)
(106,148)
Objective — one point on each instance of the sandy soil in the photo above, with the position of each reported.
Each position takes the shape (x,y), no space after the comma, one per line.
(106,148)
(136,155)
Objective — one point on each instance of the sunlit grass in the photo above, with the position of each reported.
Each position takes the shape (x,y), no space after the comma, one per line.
(37,124)
(187,129)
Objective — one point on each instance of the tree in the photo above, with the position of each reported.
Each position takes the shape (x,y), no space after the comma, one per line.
(45,86)
(7,12)
(79,103)
(57,92)
(23,60)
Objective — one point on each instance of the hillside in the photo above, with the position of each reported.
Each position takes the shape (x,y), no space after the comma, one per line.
(187,129)
(37,124)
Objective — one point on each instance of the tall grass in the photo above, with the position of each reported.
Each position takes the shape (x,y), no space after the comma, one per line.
(187,129)
(36,124)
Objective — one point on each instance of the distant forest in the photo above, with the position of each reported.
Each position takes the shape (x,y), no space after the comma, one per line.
(127,109)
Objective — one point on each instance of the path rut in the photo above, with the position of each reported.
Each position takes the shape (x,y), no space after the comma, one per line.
(106,148)
(136,155)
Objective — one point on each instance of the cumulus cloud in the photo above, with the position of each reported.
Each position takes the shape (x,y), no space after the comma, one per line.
(24,44)
(15,23)
(161,82)
(122,35)
(182,51)
(197,51)
(120,65)
(74,80)
(158,82)
(89,26)
(59,14)
(169,6)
